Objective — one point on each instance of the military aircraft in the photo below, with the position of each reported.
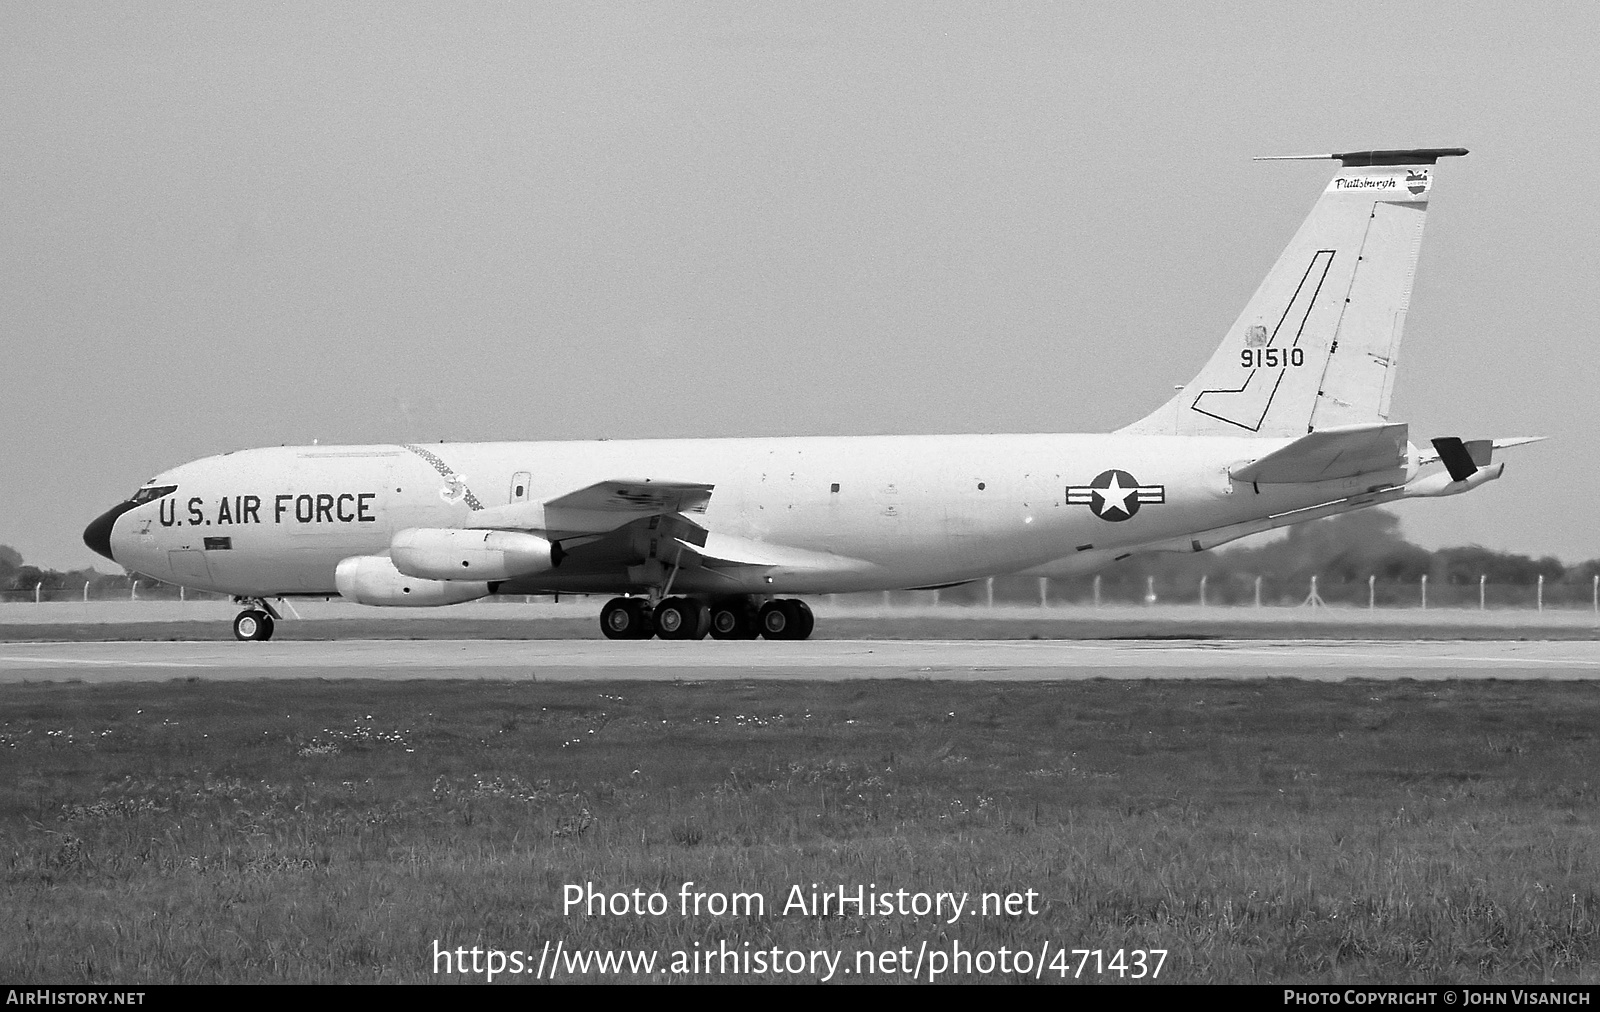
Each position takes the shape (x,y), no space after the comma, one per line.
(1287,422)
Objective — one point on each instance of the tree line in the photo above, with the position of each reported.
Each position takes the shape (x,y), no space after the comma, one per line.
(20,581)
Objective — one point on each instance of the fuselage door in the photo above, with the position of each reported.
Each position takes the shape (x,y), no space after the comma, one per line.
(189,567)
(519,486)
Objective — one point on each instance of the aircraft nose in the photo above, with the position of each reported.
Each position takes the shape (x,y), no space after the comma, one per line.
(98,534)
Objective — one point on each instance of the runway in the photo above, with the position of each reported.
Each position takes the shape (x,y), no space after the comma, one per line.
(831,660)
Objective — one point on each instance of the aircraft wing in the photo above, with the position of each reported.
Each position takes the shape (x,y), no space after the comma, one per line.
(656,548)
(625,523)
(600,508)
(720,551)
(642,495)
(1339,452)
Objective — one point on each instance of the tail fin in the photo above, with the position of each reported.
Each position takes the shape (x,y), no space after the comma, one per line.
(1316,345)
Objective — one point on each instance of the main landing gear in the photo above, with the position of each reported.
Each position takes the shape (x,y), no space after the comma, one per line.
(688,618)
(735,619)
(789,619)
(254,623)
(627,618)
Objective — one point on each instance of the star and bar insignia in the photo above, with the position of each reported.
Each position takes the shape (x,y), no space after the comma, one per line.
(1115,495)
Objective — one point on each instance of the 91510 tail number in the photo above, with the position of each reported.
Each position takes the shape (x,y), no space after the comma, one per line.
(1271,358)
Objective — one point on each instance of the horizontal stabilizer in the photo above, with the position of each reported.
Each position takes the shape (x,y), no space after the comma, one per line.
(1457,459)
(1480,452)
(1340,452)
(1510,441)
(1400,156)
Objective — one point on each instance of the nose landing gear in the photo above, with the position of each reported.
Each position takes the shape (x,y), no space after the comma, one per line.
(252,625)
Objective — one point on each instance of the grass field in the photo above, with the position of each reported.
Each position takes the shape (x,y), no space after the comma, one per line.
(1261,832)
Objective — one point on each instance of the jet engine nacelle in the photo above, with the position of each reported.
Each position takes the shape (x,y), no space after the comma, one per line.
(437,553)
(372,579)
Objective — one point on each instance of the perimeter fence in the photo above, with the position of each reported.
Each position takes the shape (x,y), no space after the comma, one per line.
(1261,591)
(1231,590)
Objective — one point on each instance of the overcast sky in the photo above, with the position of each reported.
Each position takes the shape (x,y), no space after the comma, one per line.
(225,226)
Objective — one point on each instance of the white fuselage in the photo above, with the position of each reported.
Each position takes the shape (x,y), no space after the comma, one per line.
(1286,422)
(883,512)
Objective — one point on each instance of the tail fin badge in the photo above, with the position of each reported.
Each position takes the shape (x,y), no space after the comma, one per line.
(1417,181)
(1115,495)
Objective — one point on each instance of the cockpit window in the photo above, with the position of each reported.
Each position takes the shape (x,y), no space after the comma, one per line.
(151,493)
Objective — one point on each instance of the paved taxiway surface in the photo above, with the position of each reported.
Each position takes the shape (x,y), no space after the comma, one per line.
(1026,660)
